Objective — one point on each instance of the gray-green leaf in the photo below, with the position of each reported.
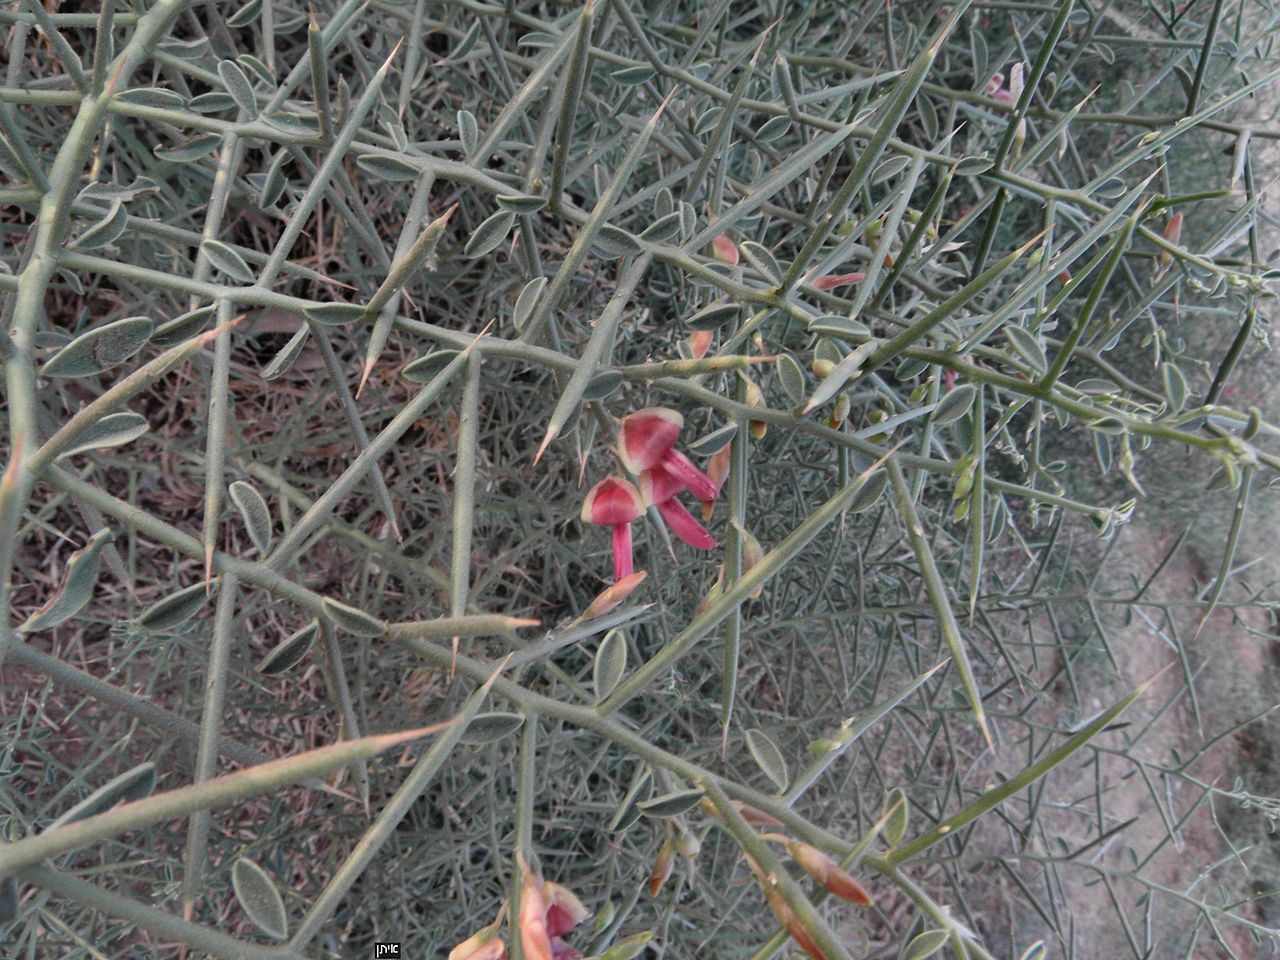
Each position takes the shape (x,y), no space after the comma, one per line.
(227,261)
(237,84)
(713,317)
(254,512)
(671,804)
(791,377)
(769,758)
(105,230)
(388,168)
(113,430)
(354,621)
(259,898)
(468,131)
(334,314)
(190,149)
(177,608)
(488,727)
(134,784)
(182,327)
(955,404)
(290,651)
(610,663)
(76,587)
(926,945)
(425,368)
(895,828)
(99,349)
(489,235)
(527,300)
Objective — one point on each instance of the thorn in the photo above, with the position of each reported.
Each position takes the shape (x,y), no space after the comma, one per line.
(364,378)
(546,442)
(387,65)
(445,217)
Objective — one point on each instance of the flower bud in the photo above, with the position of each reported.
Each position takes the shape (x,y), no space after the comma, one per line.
(613,595)
(724,250)
(827,872)
(662,865)
(822,367)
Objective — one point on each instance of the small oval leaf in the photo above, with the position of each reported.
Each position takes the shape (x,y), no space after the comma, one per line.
(895,807)
(662,229)
(352,620)
(106,230)
(610,663)
(99,349)
(617,242)
(290,651)
(388,168)
(603,384)
(135,784)
(190,149)
(76,588)
(527,300)
(871,491)
(713,317)
(760,257)
(489,235)
(955,404)
(259,898)
(715,441)
(792,378)
(425,368)
(227,261)
(182,327)
(334,314)
(671,804)
(768,757)
(520,202)
(177,608)
(254,512)
(628,811)
(283,360)
(488,727)
(113,430)
(237,83)
(468,131)
(926,944)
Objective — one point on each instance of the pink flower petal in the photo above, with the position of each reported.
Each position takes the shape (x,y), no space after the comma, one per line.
(623,565)
(699,484)
(646,435)
(684,526)
(612,500)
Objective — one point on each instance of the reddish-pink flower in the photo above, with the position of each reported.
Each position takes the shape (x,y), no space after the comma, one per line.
(647,439)
(616,503)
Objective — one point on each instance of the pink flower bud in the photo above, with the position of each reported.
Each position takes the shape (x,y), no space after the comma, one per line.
(724,250)
(831,281)
(700,343)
